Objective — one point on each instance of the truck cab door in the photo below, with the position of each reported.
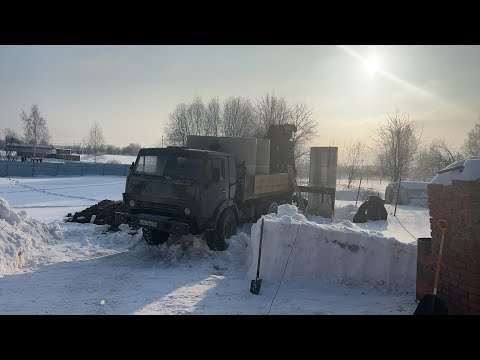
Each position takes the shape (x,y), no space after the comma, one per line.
(218,184)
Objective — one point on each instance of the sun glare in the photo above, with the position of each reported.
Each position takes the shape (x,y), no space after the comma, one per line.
(372,64)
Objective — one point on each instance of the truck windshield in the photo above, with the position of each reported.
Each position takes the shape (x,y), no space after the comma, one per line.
(174,167)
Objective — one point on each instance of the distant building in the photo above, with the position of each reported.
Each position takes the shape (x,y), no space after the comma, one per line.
(41,151)
(410,193)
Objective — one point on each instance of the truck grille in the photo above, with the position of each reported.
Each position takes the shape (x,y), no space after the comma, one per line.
(167,208)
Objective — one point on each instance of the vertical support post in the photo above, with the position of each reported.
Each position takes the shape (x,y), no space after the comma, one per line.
(398,193)
(358,192)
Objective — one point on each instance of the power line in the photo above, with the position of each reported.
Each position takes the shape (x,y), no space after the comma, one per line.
(284,270)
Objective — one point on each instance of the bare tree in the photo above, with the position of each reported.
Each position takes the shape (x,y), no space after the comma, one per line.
(112,149)
(398,140)
(131,149)
(8,135)
(35,128)
(442,154)
(95,142)
(178,127)
(353,153)
(424,166)
(301,117)
(271,110)
(238,118)
(196,116)
(472,142)
(213,119)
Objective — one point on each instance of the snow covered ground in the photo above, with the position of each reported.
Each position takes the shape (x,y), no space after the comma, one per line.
(51,198)
(48,266)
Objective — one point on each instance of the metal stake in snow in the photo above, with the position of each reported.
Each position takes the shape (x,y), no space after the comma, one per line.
(358,192)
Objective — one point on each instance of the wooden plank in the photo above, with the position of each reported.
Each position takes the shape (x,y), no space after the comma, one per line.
(317,190)
(267,183)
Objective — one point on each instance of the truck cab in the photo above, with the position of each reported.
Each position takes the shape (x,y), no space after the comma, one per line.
(179,191)
(209,187)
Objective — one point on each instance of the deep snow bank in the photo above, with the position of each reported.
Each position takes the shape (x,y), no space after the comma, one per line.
(19,235)
(329,253)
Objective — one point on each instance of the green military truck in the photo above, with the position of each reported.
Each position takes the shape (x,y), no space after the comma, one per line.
(211,186)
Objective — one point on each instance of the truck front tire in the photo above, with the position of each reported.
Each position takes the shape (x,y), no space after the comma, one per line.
(154,237)
(226,227)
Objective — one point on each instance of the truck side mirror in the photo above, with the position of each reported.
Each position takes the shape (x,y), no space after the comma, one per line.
(132,166)
(216,175)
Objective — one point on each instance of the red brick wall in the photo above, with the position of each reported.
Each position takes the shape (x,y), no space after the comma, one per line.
(459,204)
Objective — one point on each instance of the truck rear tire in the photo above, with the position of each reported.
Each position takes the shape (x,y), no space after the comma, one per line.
(226,227)
(273,208)
(154,237)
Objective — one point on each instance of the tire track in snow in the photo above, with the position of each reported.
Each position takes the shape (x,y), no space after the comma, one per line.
(52,193)
(55,188)
(84,185)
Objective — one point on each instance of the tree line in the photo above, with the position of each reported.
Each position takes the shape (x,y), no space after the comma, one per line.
(240,117)
(397,146)
(399,151)
(36,133)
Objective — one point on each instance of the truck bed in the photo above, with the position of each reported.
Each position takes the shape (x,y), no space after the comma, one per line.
(268,183)
(263,185)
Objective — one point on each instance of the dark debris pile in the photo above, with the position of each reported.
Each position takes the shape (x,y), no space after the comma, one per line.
(104,212)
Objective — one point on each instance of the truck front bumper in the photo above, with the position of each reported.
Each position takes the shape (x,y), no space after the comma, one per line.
(157,222)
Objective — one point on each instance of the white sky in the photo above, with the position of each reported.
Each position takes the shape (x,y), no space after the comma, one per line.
(130,90)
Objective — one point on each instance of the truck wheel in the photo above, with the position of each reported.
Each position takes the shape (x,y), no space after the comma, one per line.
(273,208)
(226,227)
(154,237)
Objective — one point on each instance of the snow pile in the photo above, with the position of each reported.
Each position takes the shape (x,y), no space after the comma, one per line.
(329,253)
(466,170)
(188,248)
(345,212)
(98,236)
(19,235)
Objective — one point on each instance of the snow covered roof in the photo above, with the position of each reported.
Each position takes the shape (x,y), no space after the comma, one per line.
(466,170)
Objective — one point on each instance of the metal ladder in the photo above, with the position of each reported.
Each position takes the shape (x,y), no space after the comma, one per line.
(300,204)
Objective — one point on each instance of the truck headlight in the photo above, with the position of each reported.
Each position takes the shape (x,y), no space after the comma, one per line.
(131,203)
(187,211)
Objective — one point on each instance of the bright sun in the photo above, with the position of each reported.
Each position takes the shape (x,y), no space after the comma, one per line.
(372,64)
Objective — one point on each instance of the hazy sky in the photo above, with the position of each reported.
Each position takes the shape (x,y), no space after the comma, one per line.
(130,90)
